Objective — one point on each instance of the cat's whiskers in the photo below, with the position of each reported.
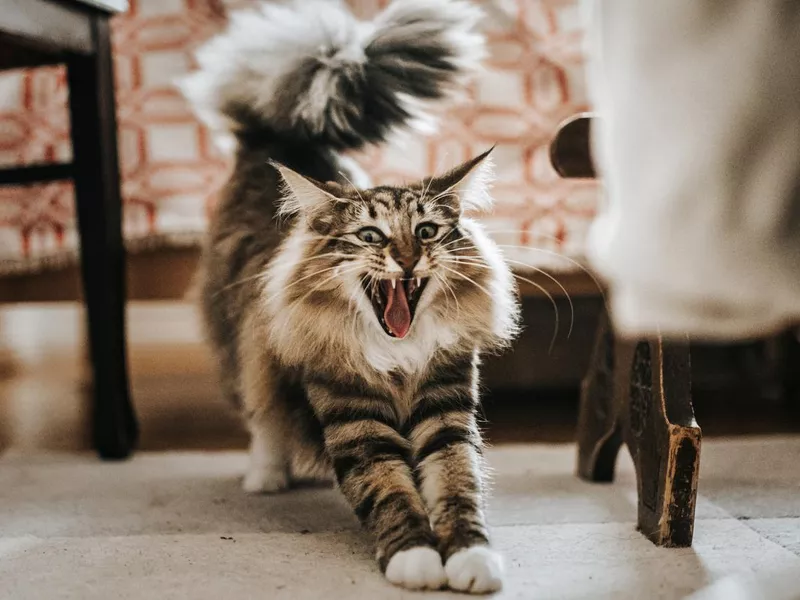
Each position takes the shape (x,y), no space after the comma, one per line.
(572,261)
(549,236)
(473,282)
(352,185)
(541,288)
(550,276)
(425,191)
(445,194)
(239,282)
(321,237)
(447,288)
(540,270)
(468,245)
(353,299)
(310,275)
(437,205)
(322,256)
(264,273)
(461,239)
(431,179)
(297,304)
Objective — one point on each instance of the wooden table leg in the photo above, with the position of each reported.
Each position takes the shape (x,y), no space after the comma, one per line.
(659,428)
(599,433)
(99,208)
(639,393)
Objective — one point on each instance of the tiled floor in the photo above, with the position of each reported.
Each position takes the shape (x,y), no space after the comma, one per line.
(176,525)
(172,523)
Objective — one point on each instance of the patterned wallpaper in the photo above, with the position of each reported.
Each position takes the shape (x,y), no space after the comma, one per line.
(170,166)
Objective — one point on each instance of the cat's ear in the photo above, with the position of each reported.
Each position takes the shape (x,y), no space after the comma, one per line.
(301,194)
(466,187)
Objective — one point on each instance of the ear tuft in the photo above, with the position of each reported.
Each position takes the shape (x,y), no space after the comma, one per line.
(468,185)
(301,194)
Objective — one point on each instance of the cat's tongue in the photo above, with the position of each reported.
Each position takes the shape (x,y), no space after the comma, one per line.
(397,315)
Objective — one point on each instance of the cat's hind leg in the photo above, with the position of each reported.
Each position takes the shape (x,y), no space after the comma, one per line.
(267,420)
(268,467)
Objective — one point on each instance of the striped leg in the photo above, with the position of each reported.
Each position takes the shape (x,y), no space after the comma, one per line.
(268,468)
(448,452)
(371,461)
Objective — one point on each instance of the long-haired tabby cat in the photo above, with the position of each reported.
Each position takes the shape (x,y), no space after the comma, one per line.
(348,321)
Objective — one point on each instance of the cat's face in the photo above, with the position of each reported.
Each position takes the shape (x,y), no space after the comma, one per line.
(403,249)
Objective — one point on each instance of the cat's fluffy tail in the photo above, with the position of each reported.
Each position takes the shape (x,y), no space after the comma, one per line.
(309,71)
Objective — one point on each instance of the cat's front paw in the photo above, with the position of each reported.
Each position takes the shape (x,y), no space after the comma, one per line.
(265,480)
(477,570)
(417,569)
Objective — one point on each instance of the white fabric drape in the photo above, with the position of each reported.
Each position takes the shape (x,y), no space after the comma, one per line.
(699,145)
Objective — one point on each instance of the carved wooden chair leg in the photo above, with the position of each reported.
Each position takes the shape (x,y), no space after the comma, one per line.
(639,393)
(663,437)
(599,433)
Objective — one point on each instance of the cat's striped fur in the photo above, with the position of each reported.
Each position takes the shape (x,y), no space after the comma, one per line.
(413,480)
(357,353)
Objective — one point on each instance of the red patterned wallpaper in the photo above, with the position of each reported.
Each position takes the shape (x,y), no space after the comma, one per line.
(170,166)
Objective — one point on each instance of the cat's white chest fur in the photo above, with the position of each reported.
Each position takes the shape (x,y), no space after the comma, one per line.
(429,332)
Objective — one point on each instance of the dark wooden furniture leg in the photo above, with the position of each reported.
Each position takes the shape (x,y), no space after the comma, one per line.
(599,431)
(99,207)
(659,428)
(639,393)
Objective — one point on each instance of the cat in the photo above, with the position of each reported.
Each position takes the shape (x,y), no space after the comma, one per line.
(348,320)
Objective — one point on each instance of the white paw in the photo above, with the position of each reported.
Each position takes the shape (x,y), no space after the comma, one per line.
(417,569)
(265,480)
(478,570)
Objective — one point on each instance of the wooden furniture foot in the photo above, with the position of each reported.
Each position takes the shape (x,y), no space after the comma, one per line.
(659,428)
(599,432)
(639,393)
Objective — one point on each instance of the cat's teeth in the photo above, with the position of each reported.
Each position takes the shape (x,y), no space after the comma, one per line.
(394,283)
(419,282)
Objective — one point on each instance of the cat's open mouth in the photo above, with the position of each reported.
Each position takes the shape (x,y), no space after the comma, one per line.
(395,302)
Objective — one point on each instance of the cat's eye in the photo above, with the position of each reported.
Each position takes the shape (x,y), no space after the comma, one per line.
(370,235)
(427,231)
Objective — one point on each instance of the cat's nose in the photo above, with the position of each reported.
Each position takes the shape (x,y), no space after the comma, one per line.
(406,261)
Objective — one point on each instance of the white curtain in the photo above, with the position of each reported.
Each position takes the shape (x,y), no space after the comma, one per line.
(699,144)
